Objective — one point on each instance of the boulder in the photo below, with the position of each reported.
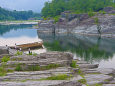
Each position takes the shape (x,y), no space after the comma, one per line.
(106,70)
(58,55)
(108,9)
(3,50)
(97,78)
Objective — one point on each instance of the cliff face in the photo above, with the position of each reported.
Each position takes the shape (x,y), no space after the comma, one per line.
(89,26)
(91,23)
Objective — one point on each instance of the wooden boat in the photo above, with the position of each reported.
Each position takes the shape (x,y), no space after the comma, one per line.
(29,45)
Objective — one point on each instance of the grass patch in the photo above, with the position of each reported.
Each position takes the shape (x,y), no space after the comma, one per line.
(93,73)
(18,67)
(58,77)
(98,85)
(83,81)
(34,54)
(50,66)
(54,77)
(16,59)
(36,67)
(33,68)
(3,72)
(18,53)
(10,71)
(5,59)
(73,64)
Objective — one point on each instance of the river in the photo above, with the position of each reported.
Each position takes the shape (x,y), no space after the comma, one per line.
(92,49)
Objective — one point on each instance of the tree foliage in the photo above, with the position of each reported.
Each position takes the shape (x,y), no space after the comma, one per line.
(17,15)
(55,7)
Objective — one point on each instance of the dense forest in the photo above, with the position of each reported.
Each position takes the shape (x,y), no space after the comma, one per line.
(55,7)
(17,15)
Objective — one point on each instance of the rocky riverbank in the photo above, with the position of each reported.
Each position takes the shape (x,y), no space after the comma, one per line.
(51,69)
(95,23)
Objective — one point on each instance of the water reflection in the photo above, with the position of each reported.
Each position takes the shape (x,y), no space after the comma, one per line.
(7,28)
(19,34)
(91,49)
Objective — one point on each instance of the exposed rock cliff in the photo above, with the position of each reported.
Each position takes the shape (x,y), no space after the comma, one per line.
(89,26)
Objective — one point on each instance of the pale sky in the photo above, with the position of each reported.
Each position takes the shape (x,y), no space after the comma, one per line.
(35,5)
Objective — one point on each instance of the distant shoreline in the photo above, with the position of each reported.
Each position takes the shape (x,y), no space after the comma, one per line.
(19,22)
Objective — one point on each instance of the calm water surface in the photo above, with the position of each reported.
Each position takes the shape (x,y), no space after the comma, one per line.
(19,34)
(91,49)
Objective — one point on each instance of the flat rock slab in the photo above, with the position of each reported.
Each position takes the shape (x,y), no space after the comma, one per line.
(108,85)
(106,70)
(82,62)
(97,78)
(88,66)
(90,71)
(18,76)
(42,83)
(112,82)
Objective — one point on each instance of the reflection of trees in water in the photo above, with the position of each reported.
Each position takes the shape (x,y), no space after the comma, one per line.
(7,28)
(84,48)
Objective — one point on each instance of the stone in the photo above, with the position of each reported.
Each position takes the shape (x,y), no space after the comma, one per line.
(3,50)
(82,62)
(108,85)
(43,59)
(58,55)
(106,70)
(112,82)
(97,78)
(108,9)
(90,71)
(88,66)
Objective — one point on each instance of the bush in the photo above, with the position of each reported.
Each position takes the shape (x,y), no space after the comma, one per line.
(18,68)
(56,18)
(102,12)
(19,53)
(5,59)
(73,64)
(96,20)
(91,14)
